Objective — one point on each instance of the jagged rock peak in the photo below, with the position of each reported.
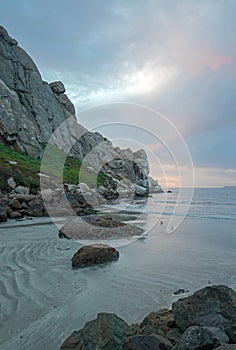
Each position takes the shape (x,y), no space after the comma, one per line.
(5,36)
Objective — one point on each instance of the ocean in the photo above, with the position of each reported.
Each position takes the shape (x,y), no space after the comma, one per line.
(212,203)
(43,300)
(172,208)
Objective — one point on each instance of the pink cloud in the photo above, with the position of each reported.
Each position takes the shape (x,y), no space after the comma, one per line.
(206,61)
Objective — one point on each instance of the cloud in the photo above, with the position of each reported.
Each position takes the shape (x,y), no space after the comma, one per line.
(177,57)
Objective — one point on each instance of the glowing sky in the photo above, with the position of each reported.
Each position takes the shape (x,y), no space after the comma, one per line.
(177,57)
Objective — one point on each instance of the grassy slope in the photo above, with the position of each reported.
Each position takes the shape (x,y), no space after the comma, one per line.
(26,170)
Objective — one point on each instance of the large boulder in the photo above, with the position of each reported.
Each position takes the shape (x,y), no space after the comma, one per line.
(94,227)
(147,342)
(210,306)
(94,254)
(202,337)
(107,331)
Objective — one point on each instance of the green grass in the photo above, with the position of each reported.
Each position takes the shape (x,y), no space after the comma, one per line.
(25,172)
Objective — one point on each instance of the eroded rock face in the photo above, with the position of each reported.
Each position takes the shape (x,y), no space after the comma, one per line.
(210,306)
(29,109)
(94,254)
(107,331)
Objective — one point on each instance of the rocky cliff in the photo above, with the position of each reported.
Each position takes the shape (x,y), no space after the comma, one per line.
(32,109)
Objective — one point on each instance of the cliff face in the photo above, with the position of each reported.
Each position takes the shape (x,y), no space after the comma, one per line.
(32,109)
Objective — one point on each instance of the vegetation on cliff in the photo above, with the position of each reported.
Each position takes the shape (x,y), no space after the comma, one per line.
(25,169)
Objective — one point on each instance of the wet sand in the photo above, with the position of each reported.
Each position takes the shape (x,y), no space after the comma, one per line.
(42,299)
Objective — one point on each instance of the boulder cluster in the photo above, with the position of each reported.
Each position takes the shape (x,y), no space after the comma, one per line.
(20,204)
(204,321)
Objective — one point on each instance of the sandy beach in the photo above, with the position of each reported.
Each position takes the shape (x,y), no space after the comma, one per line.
(43,299)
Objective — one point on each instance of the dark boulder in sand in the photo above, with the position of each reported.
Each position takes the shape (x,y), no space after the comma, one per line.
(210,306)
(94,254)
(202,337)
(145,342)
(95,227)
(107,331)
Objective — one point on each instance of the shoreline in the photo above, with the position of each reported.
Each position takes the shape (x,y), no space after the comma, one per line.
(45,299)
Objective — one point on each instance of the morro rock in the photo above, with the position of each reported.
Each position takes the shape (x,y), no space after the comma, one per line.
(32,110)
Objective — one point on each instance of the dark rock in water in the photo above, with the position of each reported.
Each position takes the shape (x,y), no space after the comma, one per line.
(147,342)
(94,227)
(169,191)
(3,210)
(94,254)
(161,321)
(202,337)
(107,331)
(210,306)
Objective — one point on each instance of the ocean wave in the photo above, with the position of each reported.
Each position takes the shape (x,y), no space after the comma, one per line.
(196,202)
(193,215)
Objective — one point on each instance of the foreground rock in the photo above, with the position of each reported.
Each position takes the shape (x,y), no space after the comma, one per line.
(142,342)
(160,322)
(106,332)
(166,329)
(94,254)
(94,227)
(210,306)
(202,337)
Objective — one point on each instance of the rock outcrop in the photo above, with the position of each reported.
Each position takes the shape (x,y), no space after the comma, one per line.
(94,254)
(210,306)
(95,227)
(166,329)
(107,331)
(31,110)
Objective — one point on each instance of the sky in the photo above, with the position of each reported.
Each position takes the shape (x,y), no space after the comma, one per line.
(171,59)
